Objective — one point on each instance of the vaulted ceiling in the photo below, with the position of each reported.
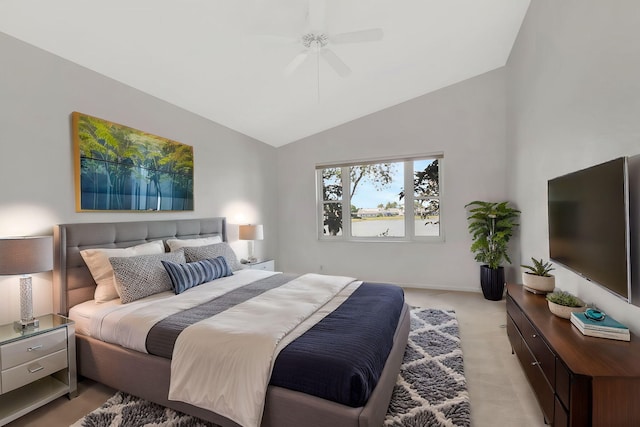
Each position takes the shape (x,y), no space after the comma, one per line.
(226,60)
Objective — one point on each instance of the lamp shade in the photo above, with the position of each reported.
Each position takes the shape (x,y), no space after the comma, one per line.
(251,232)
(25,255)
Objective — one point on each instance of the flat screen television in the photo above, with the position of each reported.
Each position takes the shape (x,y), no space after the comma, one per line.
(589,224)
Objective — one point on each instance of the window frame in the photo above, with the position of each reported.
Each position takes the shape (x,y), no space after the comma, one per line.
(409,199)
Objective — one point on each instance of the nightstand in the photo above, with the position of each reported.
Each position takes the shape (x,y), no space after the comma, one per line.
(264,264)
(36,365)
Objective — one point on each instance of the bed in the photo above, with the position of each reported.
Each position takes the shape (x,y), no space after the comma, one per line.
(148,376)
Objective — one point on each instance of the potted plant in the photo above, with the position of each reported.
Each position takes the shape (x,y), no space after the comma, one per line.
(562,304)
(538,280)
(491,226)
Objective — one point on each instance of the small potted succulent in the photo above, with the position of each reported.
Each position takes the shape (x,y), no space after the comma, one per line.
(562,304)
(537,279)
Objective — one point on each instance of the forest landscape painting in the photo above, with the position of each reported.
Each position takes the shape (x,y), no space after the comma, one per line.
(118,168)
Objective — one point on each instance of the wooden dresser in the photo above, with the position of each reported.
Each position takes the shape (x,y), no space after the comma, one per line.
(578,380)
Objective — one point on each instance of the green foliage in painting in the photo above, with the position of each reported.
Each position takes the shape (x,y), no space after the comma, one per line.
(126,169)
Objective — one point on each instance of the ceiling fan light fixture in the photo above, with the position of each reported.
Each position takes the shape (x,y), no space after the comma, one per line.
(315,40)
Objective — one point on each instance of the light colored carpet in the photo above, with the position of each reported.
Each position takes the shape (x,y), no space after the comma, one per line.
(431,388)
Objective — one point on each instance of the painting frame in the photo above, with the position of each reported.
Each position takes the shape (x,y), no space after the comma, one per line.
(121,169)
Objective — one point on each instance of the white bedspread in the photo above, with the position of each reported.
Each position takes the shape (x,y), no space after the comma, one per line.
(128,325)
(224,363)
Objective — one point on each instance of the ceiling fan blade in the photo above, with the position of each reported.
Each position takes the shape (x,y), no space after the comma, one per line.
(296,63)
(336,63)
(370,35)
(316,16)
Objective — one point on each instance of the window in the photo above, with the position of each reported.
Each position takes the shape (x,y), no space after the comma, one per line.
(368,201)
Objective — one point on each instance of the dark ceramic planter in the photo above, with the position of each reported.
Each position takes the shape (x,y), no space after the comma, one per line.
(492,282)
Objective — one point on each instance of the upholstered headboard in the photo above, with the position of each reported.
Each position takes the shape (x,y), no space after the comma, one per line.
(72,281)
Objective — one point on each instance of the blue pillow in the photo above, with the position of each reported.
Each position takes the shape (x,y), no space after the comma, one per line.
(185,276)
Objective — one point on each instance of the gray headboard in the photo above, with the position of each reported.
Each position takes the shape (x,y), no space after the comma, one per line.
(72,281)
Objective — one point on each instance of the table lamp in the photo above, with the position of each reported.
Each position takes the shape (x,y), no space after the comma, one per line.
(251,232)
(26,255)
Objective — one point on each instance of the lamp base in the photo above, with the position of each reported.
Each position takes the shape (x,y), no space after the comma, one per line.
(21,325)
(27,321)
(251,258)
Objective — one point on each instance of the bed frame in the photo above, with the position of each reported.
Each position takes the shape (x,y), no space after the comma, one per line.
(147,376)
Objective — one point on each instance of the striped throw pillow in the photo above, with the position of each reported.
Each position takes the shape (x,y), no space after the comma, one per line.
(185,276)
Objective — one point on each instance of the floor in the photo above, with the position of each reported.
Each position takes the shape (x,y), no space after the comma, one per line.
(499,392)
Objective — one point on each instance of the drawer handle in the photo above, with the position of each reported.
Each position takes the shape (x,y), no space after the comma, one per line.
(35,347)
(34,370)
(535,363)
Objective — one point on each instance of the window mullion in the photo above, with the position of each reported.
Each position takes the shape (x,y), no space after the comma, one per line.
(409,211)
(320,203)
(346,202)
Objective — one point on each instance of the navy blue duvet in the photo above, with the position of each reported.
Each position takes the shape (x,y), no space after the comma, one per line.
(341,358)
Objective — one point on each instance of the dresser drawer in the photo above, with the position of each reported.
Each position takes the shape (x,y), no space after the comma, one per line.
(33,370)
(539,383)
(514,311)
(560,416)
(29,349)
(545,358)
(563,383)
(514,335)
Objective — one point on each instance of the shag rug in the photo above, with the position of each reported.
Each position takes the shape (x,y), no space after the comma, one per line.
(431,388)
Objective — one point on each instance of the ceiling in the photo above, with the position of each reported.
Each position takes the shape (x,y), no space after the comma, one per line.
(225,60)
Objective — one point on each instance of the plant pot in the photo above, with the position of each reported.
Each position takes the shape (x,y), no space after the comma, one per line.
(492,282)
(563,310)
(538,284)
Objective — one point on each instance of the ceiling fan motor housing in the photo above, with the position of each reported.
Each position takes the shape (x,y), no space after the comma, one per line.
(315,40)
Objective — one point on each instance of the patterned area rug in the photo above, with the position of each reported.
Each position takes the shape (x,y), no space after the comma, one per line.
(431,388)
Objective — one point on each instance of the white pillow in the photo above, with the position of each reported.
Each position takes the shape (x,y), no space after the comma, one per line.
(98,262)
(175,244)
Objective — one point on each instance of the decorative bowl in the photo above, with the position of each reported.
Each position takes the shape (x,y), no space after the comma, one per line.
(563,310)
(538,284)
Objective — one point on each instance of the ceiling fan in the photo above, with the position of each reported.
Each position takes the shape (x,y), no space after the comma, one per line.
(316,41)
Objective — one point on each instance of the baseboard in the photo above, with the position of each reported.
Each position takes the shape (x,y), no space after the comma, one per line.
(438,287)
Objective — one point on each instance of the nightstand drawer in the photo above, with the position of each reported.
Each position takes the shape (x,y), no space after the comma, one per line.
(34,370)
(29,349)
(268,265)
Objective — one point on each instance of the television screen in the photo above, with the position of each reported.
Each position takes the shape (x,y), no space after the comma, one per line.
(588,224)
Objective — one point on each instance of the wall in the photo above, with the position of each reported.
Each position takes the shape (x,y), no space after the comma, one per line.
(573,101)
(465,121)
(234,174)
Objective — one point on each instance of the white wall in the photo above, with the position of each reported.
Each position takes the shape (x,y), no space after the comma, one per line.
(465,121)
(234,174)
(573,101)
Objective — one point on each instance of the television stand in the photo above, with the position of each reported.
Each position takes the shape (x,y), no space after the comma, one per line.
(578,380)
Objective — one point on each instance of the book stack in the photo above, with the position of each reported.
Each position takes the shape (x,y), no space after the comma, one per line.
(607,328)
